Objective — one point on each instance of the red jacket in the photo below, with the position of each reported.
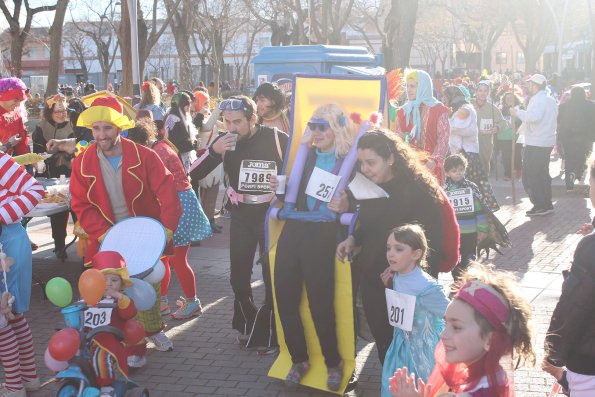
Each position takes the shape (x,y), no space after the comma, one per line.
(435,137)
(11,124)
(148,188)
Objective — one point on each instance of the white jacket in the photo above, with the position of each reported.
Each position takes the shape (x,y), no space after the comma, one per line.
(464,133)
(539,121)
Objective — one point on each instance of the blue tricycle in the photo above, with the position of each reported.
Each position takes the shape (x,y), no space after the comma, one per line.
(78,380)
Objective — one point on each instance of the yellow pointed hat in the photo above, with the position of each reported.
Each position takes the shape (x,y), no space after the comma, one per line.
(107,110)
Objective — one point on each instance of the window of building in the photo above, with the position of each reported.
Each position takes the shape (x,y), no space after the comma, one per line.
(520,58)
(501,58)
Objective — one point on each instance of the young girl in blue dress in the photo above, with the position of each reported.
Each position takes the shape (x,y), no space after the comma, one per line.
(406,251)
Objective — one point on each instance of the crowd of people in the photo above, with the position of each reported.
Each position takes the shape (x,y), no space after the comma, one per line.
(433,164)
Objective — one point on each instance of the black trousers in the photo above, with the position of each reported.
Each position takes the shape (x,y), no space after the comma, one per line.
(468,252)
(306,256)
(505,147)
(536,176)
(374,300)
(246,233)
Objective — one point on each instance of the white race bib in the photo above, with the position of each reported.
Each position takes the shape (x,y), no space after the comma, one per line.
(255,175)
(401,308)
(322,185)
(95,317)
(486,124)
(462,200)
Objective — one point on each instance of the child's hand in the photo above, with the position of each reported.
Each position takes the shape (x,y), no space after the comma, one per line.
(556,372)
(387,277)
(403,385)
(587,228)
(111,293)
(481,236)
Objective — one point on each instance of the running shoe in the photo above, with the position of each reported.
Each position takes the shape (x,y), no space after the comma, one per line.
(136,361)
(187,308)
(161,341)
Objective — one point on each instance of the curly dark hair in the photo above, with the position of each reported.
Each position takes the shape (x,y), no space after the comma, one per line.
(408,164)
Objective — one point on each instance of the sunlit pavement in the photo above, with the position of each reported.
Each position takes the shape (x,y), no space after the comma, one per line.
(207,362)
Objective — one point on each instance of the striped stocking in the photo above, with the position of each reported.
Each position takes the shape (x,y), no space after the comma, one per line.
(25,341)
(9,355)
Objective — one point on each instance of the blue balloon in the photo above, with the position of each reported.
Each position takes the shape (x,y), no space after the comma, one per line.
(142,294)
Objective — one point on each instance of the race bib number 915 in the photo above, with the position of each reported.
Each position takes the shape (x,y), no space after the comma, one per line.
(462,200)
(401,308)
(255,175)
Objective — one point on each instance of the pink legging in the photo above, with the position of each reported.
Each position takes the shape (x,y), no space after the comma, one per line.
(183,270)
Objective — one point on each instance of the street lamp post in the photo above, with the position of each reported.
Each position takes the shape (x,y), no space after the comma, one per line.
(132,12)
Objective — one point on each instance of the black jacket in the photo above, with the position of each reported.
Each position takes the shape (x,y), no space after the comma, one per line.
(570,340)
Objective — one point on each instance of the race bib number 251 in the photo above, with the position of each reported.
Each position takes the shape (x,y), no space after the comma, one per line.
(322,185)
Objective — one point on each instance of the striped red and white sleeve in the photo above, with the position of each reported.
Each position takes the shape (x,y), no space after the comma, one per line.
(19,191)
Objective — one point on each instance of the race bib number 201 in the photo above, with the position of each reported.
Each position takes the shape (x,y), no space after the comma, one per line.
(401,308)
(255,175)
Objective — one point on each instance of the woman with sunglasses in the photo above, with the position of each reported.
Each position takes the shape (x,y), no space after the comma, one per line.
(55,125)
(306,250)
(414,197)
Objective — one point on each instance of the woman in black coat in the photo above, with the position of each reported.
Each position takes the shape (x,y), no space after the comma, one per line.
(576,132)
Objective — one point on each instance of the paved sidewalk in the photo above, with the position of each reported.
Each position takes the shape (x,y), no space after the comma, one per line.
(207,362)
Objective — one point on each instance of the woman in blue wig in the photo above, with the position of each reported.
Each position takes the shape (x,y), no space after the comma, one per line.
(423,121)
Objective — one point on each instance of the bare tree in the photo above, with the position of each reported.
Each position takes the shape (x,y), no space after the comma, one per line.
(242,46)
(483,22)
(532,28)
(219,22)
(79,47)
(284,18)
(328,19)
(56,46)
(183,18)
(592,24)
(18,35)
(102,33)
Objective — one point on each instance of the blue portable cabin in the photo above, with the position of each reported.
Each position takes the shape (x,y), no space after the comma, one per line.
(274,63)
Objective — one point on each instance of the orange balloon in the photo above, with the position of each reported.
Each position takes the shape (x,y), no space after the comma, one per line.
(91,286)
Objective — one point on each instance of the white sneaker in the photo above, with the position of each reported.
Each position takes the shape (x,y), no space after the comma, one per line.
(32,385)
(136,361)
(4,392)
(107,391)
(161,342)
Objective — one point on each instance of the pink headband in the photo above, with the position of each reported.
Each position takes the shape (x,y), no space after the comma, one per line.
(487,301)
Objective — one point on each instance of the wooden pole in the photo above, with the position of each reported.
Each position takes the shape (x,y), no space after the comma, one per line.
(513,142)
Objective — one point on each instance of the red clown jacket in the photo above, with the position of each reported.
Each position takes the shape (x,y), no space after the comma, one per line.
(148,186)
(435,137)
(11,124)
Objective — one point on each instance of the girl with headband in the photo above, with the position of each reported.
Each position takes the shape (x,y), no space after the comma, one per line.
(486,321)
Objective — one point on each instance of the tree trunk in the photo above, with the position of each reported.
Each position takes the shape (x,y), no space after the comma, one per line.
(183,49)
(56,47)
(16,53)
(407,14)
(592,23)
(126,85)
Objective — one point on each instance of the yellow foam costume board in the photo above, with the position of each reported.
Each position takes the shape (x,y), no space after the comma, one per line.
(362,96)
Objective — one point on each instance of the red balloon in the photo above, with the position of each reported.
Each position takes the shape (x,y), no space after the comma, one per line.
(133,331)
(64,344)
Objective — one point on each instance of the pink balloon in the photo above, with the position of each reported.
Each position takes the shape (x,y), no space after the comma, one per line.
(52,363)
